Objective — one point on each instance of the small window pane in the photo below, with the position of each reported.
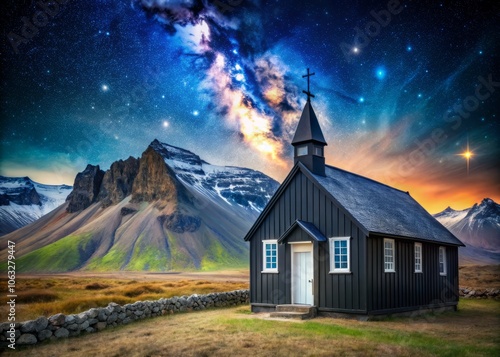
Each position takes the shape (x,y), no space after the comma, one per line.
(389,255)
(270,256)
(339,254)
(302,150)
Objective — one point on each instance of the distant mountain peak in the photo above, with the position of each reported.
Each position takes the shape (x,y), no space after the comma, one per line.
(175,153)
(23,201)
(478,227)
(488,202)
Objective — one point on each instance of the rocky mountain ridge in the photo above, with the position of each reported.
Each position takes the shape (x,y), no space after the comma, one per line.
(167,210)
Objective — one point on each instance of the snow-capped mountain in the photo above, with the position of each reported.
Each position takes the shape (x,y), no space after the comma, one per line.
(23,201)
(478,227)
(167,210)
(235,185)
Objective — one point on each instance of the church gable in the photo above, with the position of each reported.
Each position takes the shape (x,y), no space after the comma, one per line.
(300,198)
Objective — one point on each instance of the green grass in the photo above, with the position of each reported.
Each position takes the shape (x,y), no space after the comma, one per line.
(66,254)
(217,257)
(112,261)
(472,331)
(423,341)
(179,259)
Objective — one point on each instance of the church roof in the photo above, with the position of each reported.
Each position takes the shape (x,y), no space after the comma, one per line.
(382,209)
(308,128)
(375,207)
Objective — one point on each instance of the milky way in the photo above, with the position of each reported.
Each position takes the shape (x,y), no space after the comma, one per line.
(400,87)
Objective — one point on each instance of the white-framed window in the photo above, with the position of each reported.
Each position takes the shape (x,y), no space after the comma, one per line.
(340,255)
(389,256)
(270,256)
(318,151)
(418,257)
(442,261)
(302,150)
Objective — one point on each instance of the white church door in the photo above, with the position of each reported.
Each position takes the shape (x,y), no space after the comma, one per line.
(302,274)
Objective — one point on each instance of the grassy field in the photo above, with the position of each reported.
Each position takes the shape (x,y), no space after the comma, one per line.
(72,293)
(480,276)
(472,331)
(76,292)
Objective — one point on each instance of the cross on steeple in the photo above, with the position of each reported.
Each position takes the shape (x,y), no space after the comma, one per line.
(308,92)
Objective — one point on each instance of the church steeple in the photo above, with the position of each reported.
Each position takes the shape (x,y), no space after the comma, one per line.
(308,141)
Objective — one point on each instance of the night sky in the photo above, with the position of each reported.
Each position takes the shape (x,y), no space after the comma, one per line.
(399,100)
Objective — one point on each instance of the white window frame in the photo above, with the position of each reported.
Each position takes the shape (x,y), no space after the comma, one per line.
(264,256)
(418,257)
(334,270)
(393,248)
(442,254)
(302,147)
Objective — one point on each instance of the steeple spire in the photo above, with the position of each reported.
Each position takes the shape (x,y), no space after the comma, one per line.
(308,140)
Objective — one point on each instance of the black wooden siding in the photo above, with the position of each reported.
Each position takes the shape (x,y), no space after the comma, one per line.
(405,288)
(303,200)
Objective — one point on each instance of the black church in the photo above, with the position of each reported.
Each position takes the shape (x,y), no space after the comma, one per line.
(340,243)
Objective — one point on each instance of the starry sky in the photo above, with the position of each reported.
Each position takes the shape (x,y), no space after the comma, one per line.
(402,88)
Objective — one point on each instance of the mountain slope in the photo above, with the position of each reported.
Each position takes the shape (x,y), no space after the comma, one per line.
(478,227)
(23,201)
(168,210)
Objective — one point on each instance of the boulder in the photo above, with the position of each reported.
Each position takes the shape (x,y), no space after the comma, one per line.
(44,334)
(41,323)
(26,339)
(28,326)
(61,333)
(57,319)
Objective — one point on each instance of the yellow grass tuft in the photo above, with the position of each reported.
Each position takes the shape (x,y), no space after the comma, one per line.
(96,286)
(41,296)
(142,289)
(35,296)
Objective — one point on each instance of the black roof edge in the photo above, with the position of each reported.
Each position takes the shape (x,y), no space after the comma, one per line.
(302,225)
(310,141)
(384,235)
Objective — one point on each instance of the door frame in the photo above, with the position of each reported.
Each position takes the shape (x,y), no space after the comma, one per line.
(299,247)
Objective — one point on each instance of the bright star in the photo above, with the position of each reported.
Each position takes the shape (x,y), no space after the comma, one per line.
(419,95)
(105,87)
(165,124)
(361,99)
(239,77)
(467,154)
(409,48)
(196,113)
(380,73)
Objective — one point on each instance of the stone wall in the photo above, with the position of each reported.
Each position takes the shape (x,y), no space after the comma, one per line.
(97,319)
(471,293)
